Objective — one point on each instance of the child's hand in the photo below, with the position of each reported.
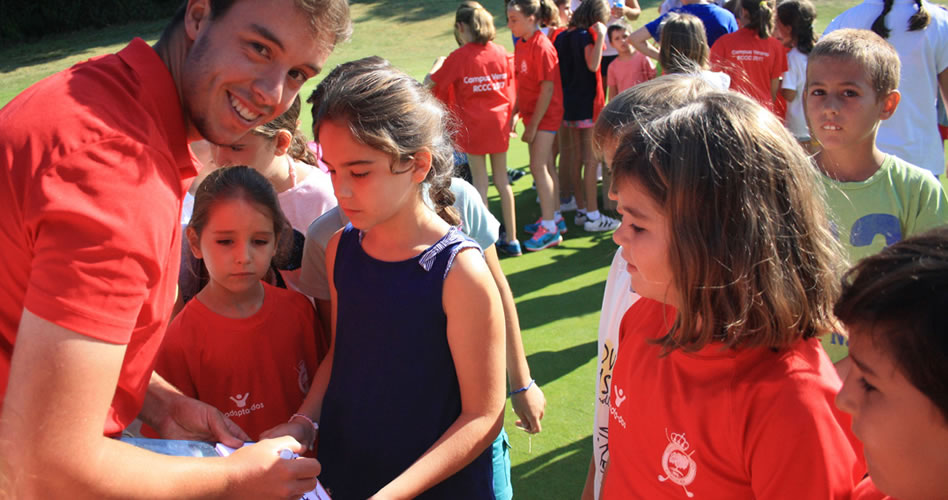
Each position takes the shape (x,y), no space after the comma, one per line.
(295,429)
(188,418)
(599,31)
(529,133)
(261,473)
(529,406)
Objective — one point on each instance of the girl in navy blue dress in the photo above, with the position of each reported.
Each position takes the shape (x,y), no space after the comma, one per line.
(412,391)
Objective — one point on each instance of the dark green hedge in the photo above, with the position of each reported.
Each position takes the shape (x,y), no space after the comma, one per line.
(31,19)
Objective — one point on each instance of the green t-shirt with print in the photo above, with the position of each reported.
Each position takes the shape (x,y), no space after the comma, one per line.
(897,201)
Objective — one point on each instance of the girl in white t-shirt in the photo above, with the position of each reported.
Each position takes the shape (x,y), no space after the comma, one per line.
(794,29)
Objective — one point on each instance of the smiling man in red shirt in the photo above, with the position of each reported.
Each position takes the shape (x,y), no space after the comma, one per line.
(94,162)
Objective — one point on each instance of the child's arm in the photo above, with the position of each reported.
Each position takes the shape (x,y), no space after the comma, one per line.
(594,50)
(530,404)
(475,337)
(639,39)
(774,88)
(543,103)
(312,406)
(434,69)
(788,94)
(589,489)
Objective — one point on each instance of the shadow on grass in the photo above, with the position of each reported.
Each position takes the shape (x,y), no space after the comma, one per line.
(547,366)
(548,308)
(397,12)
(553,474)
(566,264)
(56,47)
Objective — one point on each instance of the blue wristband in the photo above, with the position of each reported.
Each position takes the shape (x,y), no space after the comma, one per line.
(522,389)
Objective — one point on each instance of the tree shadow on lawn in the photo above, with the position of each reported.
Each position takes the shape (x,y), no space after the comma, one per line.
(60,46)
(539,311)
(566,264)
(397,11)
(547,366)
(553,474)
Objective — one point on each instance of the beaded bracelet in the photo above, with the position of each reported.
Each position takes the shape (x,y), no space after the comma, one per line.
(522,389)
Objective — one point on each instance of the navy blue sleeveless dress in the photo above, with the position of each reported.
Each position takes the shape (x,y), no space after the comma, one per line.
(393,390)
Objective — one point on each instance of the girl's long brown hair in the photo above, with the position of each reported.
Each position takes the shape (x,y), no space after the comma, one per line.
(752,255)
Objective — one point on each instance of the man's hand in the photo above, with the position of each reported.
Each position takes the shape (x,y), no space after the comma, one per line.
(188,418)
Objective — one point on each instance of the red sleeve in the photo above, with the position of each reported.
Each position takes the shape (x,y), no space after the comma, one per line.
(719,54)
(780,61)
(511,79)
(795,445)
(444,78)
(102,225)
(549,64)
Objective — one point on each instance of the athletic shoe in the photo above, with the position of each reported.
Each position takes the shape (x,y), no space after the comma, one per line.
(602,224)
(568,206)
(580,218)
(543,239)
(560,226)
(514,174)
(512,248)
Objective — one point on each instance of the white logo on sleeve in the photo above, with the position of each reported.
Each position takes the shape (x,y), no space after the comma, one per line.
(619,398)
(677,463)
(239,400)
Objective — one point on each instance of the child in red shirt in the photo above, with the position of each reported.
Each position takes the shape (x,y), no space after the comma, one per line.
(540,104)
(754,60)
(480,75)
(893,306)
(720,388)
(630,67)
(241,345)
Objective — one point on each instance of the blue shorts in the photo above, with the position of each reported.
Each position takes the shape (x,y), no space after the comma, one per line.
(500,456)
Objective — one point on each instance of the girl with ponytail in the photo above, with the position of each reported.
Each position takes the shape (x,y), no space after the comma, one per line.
(918,30)
(751,56)
(794,28)
(411,393)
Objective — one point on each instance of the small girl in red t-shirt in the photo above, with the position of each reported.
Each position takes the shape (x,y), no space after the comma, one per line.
(241,345)
(479,75)
(540,104)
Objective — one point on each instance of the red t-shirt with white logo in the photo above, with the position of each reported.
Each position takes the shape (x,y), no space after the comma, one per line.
(481,77)
(751,62)
(744,424)
(535,61)
(255,370)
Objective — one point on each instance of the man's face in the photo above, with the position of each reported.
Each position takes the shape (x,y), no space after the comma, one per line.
(245,67)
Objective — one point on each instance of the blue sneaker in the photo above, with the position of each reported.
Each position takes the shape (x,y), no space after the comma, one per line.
(560,226)
(511,248)
(543,239)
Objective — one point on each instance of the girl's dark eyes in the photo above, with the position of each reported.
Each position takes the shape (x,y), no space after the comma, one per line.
(224,242)
(260,49)
(359,174)
(866,386)
(261,242)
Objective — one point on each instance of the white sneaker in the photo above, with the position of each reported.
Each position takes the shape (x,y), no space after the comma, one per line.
(602,224)
(580,218)
(569,206)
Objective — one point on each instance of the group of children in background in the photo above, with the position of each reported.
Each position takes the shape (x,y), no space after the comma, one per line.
(712,381)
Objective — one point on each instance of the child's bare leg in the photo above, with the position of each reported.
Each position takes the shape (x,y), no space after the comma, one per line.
(575,174)
(541,152)
(478,164)
(589,168)
(498,168)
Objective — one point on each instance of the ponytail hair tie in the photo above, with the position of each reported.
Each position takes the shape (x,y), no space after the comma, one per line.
(763,3)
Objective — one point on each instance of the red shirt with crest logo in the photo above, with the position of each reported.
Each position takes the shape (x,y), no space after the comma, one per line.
(736,424)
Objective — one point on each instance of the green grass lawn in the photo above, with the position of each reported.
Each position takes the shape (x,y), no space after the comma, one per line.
(558,291)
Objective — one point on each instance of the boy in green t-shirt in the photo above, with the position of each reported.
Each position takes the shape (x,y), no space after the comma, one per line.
(874,199)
